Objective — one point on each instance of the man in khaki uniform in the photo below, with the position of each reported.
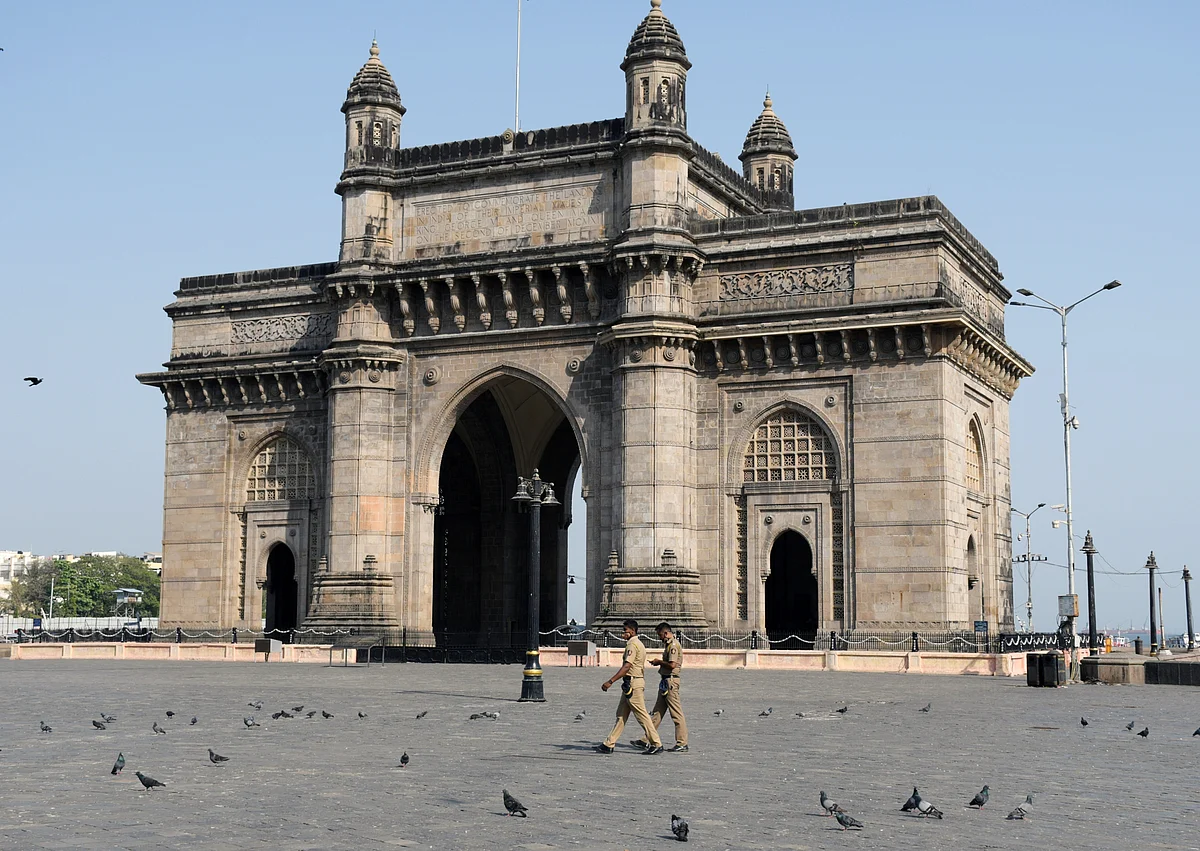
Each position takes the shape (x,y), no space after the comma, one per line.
(633,687)
(668,689)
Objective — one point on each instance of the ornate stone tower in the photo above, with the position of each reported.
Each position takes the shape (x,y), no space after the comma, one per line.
(373,115)
(768,158)
(652,344)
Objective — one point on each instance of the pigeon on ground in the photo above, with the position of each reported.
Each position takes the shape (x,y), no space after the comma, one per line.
(256,704)
(979,800)
(46,728)
(799,714)
(158,729)
(195,721)
(422,714)
(847,822)
(170,714)
(325,714)
(766,712)
(913,800)
(926,707)
(299,708)
(1197,733)
(679,827)
(843,710)
(928,810)
(404,759)
(215,758)
(1145,734)
(310,714)
(1023,810)
(33,380)
(579,717)
(829,805)
(98,725)
(1083,722)
(107,719)
(148,781)
(495,716)
(282,713)
(719,713)
(1129,726)
(514,807)
(250,722)
(119,765)
(362,714)
(475,716)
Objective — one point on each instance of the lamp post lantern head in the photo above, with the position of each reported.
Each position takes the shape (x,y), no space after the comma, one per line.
(523,487)
(548,496)
(1112,285)
(1025,292)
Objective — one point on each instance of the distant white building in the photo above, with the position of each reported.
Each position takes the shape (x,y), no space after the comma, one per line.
(14,563)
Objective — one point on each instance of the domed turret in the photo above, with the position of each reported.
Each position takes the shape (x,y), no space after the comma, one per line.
(655,67)
(768,156)
(373,109)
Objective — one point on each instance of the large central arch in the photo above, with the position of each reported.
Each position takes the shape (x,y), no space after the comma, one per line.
(507,428)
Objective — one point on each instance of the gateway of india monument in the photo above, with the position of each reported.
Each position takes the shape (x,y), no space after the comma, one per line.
(790,421)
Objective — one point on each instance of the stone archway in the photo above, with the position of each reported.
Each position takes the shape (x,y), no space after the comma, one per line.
(281,600)
(791,592)
(480,537)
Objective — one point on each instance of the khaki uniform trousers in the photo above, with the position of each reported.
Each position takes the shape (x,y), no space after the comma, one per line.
(668,701)
(635,703)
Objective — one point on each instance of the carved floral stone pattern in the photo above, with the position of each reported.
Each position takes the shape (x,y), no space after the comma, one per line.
(807,280)
(311,331)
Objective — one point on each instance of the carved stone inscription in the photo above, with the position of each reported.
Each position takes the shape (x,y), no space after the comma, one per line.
(312,331)
(490,218)
(808,280)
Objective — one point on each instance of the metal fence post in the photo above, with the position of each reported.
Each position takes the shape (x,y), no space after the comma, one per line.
(833,640)
(235,635)
(124,631)
(179,635)
(70,635)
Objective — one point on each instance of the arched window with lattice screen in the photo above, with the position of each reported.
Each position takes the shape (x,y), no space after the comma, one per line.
(282,470)
(789,446)
(974,459)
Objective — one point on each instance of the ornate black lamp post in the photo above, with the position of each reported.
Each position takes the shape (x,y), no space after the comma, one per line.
(535,493)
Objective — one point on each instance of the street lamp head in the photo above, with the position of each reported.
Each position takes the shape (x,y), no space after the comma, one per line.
(1041,505)
(1025,292)
(548,496)
(523,487)
(1112,285)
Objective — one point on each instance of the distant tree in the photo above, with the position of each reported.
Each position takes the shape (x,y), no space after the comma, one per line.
(85,586)
(30,591)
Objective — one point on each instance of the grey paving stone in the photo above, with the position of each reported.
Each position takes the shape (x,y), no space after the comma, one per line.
(748,782)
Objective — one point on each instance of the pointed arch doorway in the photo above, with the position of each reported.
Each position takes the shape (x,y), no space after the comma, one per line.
(791,593)
(281,600)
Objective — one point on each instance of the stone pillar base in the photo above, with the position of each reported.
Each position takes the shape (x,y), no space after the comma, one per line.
(668,593)
(363,602)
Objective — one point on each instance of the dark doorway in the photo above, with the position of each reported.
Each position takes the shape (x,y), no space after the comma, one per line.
(791,593)
(281,592)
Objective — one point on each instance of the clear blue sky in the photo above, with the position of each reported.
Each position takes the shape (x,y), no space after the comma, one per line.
(141,142)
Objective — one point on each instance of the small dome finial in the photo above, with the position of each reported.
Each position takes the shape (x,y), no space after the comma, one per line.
(767,102)
(655,6)
(374,49)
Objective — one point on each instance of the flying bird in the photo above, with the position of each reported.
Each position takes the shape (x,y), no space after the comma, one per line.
(913,800)
(679,827)
(325,714)
(766,712)
(847,822)
(195,721)
(119,765)
(514,807)
(404,759)
(422,714)
(46,728)
(250,722)
(215,758)
(98,725)
(1145,734)
(928,810)
(34,381)
(158,729)
(1083,722)
(829,805)
(926,707)
(979,800)
(148,781)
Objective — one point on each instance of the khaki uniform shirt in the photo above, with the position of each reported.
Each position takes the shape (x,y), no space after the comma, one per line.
(635,655)
(672,652)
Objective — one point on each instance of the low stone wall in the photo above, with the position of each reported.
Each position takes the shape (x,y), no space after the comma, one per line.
(164,652)
(867,661)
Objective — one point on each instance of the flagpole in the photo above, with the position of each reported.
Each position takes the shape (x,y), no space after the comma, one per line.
(517,111)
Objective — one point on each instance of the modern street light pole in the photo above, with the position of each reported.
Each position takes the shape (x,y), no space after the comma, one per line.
(1069,423)
(1029,558)
(535,493)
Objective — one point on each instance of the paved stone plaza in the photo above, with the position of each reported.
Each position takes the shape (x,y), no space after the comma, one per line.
(748,782)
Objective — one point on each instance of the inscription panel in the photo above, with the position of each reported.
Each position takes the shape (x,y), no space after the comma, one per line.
(507,219)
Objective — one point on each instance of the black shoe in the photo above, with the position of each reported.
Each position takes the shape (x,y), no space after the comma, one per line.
(602,748)
(678,749)
(652,750)
(640,743)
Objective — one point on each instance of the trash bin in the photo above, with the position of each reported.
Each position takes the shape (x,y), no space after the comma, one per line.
(1138,647)
(1033,669)
(1054,670)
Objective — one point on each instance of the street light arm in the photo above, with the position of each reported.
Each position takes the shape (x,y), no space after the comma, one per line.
(1027,304)
(1031,294)
(1104,288)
